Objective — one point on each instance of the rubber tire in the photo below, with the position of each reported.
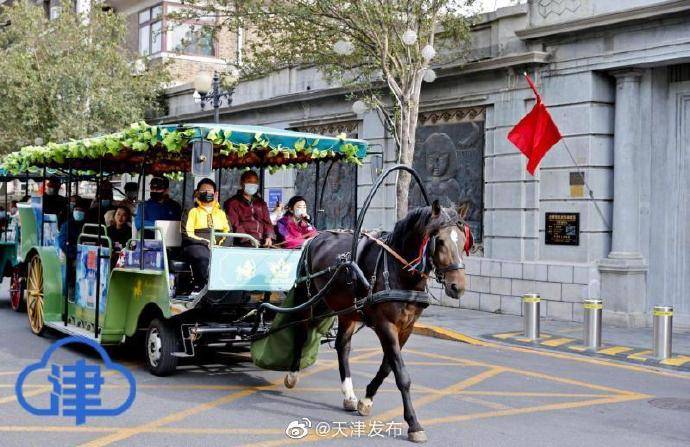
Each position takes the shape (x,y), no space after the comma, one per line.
(167,363)
(18,303)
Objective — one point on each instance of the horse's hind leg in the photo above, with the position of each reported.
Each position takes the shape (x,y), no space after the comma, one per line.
(390,342)
(292,377)
(343,343)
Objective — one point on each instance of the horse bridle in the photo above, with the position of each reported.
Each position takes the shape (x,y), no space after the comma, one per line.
(440,272)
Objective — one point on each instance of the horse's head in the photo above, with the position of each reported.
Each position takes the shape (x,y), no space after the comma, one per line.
(448,236)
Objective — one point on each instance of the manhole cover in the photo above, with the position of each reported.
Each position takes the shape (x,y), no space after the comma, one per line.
(671,403)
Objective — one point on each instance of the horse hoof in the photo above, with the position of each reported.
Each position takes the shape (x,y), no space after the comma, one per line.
(350,404)
(364,407)
(417,436)
(291,379)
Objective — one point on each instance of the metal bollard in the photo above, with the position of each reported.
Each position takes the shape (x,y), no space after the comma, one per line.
(530,314)
(663,326)
(592,323)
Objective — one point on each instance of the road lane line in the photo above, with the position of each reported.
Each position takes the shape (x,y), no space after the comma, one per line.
(180,415)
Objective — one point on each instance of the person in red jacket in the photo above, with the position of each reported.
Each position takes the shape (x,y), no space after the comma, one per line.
(248,213)
(295,226)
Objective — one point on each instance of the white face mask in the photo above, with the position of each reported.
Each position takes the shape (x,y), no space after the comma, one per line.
(251,188)
(300,212)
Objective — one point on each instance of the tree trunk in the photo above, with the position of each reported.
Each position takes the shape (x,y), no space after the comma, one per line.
(407,133)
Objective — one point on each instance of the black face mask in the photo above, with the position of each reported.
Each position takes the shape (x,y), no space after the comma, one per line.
(157,196)
(206,197)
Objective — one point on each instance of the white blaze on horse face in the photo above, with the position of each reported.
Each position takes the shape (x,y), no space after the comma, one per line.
(456,249)
(347,389)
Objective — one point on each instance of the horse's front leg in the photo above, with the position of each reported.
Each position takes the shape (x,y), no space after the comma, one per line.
(365,405)
(343,343)
(390,342)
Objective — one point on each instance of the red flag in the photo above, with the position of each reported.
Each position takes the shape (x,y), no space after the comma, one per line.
(536,133)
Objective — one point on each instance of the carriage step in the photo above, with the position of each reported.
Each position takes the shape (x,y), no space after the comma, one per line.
(181,354)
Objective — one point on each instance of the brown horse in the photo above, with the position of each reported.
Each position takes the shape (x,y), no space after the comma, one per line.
(433,235)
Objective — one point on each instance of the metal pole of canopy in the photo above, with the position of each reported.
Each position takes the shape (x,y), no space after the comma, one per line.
(43,197)
(220,182)
(142,179)
(68,274)
(184,188)
(99,190)
(315,213)
(7,211)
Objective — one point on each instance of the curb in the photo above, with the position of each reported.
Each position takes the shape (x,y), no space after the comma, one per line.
(446,334)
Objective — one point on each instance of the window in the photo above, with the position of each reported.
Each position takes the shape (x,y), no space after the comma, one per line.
(157,34)
(151,30)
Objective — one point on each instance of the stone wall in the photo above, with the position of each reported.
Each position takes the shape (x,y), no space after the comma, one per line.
(498,285)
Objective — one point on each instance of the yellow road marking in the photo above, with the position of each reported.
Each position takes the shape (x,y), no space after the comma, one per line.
(583,359)
(455,388)
(580,348)
(530,394)
(160,430)
(614,350)
(447,334)
(482,402)
(9,373)
(642,355)
(39,390)
(506,335)
(557,341)
(535,409)
(127,433)
(676,361)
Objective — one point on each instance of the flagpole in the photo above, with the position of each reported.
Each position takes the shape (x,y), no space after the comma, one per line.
(589,190)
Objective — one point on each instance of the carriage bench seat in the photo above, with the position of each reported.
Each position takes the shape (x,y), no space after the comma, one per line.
(175,266)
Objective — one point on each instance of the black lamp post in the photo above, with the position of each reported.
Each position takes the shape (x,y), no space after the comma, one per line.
(208,92)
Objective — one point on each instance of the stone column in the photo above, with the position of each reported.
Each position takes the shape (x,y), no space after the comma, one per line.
(623,272)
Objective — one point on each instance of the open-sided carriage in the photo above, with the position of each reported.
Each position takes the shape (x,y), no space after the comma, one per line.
(142,291)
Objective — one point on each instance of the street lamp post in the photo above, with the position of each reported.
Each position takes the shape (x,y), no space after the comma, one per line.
(208,91)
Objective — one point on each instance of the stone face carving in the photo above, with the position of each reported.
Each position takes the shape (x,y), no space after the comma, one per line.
(339,206)
(338,195)
(450,159)
(557,7)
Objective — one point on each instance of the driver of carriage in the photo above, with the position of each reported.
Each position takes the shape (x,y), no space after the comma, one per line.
(53,202)
(295,226)
(196,230)
(248,212)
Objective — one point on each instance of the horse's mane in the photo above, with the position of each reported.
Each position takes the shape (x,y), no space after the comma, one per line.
(418,222)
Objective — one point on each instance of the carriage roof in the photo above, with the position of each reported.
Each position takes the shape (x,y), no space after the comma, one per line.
(167,149)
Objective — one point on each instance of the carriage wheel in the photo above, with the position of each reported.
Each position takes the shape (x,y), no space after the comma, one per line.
(161,342)
(35,295)
(17,288)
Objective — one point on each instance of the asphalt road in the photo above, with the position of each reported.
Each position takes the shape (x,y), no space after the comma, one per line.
(464,395)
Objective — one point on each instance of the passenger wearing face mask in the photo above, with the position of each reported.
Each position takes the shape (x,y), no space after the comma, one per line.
(70,230)
(248,213)
(53,202)
(295,226)
(196,230)
(159,206)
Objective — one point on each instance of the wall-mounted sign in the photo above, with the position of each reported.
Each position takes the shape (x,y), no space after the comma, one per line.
(562,228)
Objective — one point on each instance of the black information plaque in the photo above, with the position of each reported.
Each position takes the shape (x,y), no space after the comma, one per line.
(562,228)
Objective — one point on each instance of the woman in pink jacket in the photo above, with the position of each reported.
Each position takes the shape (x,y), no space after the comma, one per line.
(294,226)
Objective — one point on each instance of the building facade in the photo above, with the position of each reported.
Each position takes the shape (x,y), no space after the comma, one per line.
(607,213)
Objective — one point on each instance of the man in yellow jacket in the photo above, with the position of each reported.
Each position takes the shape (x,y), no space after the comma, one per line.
(196,230)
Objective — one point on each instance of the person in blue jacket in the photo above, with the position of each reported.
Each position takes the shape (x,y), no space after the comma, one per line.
(159,206)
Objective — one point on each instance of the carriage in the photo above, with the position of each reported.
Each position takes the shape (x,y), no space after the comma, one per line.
(140,293)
